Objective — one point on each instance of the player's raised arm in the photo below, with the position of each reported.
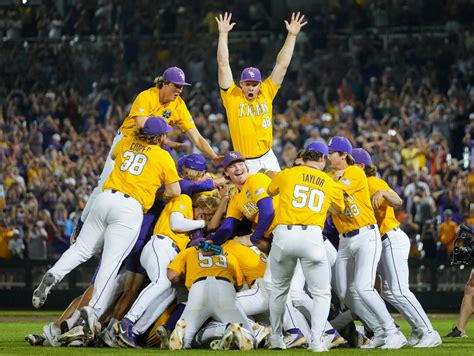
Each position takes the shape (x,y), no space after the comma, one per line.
(286,52)
(224,71)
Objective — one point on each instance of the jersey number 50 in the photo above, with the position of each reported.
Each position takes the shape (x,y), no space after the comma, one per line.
(134,163)
(314,202)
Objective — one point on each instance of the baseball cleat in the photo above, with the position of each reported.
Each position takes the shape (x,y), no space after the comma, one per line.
(164,336)
(333,339)
(76,333)
(109,334)
(225,343)
(294,338)
(35,340)
(456,333)
(77,343)
(429,340)
(126,337)
(51,333)
(242,338)
(176,338)
(394,341)
(376,341)
(416,335)
(41,293)
(276,342)
(261,334)
(318,347)
(92,325)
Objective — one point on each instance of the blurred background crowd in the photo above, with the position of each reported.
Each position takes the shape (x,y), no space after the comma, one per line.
(394,76)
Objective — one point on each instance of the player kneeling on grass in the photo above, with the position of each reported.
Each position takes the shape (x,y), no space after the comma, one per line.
(211,279)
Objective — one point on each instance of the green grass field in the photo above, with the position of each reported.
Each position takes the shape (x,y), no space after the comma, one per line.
(15,325)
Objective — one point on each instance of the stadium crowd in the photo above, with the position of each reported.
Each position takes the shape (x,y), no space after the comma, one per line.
(62,99)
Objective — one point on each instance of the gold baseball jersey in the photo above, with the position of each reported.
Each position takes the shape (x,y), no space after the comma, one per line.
(358,210)
(140,169)
(195,263)
(305,196)
(182,204)
(250,122)
(244,203)
(147,103)
(385,215)
(252,261)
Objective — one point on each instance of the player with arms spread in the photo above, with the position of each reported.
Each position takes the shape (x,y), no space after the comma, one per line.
(306,193)
(249,108)
(163,100)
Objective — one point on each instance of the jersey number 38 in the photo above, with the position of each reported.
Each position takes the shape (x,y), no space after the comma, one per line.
(133,162)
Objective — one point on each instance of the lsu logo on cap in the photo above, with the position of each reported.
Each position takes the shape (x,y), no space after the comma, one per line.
(251,73)
(233,155)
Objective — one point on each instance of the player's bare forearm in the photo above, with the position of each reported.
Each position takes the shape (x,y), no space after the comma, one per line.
(224,72)
(392,198)
(286,52)
(174,277)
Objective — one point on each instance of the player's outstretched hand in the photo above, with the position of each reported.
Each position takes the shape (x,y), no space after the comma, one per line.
(223,22)
(263,245)
(218,159)
(377,199)
(297,22)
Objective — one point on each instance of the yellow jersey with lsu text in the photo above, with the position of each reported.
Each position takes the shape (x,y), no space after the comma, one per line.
(385,214)
(252,261)
(140,170)
(358,210)
(305,196)
(195,263)
(244,203)
(147,103)
(250,122)
(182,204)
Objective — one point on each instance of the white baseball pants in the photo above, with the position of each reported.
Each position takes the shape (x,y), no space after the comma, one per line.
(108,168)
(393,267)
(211,298)
(303,243)
(156,256)
(113,226)
(356,267)
(268,161)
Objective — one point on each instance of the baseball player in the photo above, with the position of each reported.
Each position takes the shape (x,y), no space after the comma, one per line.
(393,264)
(163,100)
(142,167)
(253,203)
(249,108)
(211,280)
(306,193)
(171,235)
(359,249)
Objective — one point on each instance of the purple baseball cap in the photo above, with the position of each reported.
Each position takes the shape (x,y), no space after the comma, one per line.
(251,74)
(175,75)
(340,144)
(195,161)
(231,157)
(318,146)
(361,156)
(156,125)
(180,164)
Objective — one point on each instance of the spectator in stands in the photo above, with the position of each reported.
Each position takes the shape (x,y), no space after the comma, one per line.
(16,245)
(446,233)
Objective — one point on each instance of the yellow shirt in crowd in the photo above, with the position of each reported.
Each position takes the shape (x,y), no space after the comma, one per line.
(305,196)
(147,103)
(140,169)
(358,211)
(385,214)
(250,122)
(183,205)
(195,263)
